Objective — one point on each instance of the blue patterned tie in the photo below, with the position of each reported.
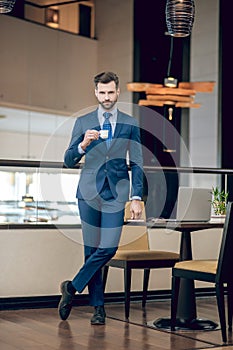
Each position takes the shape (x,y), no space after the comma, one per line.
(107,126)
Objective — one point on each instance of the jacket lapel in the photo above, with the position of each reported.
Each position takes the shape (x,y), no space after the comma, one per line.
(93,120)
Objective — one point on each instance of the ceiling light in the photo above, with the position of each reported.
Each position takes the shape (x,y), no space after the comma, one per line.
(52,17)
(180,17)
(170,82)
(27,198)
(6,5)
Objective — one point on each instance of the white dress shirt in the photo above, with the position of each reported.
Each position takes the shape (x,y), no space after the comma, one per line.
(112,118)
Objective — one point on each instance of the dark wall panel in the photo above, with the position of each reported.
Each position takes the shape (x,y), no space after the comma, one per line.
(151,59)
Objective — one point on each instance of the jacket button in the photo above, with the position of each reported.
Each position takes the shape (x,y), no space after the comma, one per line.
(105,170)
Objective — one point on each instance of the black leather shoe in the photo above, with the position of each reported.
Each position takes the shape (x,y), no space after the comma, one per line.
(99,315)
(65,304)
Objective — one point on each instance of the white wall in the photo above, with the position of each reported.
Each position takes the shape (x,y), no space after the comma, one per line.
(15,145)
(34,262)
(45,68)
(204,133)
(114,32)
(48,70)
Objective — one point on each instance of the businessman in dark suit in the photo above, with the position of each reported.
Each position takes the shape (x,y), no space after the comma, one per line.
(103,189)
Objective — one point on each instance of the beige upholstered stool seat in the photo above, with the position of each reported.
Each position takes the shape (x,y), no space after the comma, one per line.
(145,255)
(208,266)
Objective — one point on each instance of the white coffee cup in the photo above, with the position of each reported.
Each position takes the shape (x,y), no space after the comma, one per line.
(104,134)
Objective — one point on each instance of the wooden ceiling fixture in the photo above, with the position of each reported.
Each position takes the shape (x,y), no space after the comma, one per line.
(182,96)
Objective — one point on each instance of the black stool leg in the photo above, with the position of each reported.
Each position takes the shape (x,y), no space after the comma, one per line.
(145,286)
(174,300)
(105,275)
(127,277)
(221,310)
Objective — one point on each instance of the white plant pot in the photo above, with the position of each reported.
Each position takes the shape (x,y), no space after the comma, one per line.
(218,218)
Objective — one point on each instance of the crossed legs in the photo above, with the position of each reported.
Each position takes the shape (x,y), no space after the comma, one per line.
(101,227)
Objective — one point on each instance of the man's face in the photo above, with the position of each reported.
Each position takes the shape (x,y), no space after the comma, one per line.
(107,94)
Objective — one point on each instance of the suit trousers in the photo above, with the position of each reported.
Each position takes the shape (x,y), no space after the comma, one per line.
(102,219)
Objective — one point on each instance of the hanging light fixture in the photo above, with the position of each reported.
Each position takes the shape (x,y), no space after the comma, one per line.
(170,81)
(6,5)
(180,17)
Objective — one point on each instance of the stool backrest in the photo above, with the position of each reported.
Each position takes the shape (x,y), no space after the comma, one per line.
(225,260)
(134,237)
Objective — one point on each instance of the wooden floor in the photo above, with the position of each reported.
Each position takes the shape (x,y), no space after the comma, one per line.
(41,329)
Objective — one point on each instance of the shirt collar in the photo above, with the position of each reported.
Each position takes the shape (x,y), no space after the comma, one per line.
(113,112)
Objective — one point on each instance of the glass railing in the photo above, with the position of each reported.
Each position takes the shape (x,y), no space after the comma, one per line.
(34,192)
(39,193)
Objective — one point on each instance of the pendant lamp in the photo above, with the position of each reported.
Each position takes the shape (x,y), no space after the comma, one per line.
(6,5)
(170,81)
(180,17)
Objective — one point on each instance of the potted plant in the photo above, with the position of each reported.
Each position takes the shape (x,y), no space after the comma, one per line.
(219,201)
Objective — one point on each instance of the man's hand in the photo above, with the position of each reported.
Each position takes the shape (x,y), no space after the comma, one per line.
(135,209)
(90,135)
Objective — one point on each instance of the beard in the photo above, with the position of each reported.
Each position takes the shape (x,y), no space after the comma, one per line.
(108,104)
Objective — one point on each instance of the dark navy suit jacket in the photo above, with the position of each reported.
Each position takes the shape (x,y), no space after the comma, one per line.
(112,163)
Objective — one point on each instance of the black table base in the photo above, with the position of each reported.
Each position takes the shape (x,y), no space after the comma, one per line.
(196,324)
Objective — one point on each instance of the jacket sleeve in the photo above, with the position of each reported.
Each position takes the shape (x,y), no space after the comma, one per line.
(72,155)
(136,162)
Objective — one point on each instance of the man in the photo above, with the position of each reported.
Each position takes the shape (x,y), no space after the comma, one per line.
(103,189)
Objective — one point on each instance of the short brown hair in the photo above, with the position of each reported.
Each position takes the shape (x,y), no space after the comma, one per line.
(106,77)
